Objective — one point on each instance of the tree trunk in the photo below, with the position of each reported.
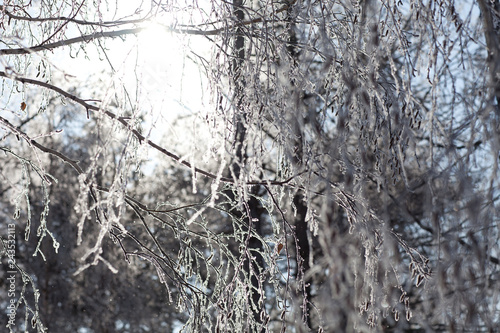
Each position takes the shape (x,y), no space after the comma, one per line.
(491,22)
(301,228)
(252,211)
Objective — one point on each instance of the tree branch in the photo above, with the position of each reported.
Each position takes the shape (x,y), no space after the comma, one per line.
(120,33)
(137,134)
(69,19)
(85,38)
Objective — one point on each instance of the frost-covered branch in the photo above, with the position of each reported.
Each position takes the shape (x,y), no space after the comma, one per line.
(123,121)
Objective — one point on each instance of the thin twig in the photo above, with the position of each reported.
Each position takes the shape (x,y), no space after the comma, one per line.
(140,136)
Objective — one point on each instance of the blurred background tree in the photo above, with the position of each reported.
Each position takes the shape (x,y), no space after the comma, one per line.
(250,166)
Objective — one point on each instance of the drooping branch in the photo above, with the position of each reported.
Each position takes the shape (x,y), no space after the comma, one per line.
(123,121)
(75,164)
(62,26)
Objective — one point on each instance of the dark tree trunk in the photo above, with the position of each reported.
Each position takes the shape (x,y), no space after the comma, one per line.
(491,22)
(250,212)
(301,228)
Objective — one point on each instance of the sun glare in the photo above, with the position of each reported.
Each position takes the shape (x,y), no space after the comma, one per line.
(171,84)
(161,54)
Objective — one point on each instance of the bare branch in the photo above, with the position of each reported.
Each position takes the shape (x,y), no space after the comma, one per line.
(138,135)
(124,32)
(72,20)
(85,38)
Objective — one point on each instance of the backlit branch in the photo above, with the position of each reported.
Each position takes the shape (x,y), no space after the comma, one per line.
(69,19)
(85,38)
(137,134)
(120,33)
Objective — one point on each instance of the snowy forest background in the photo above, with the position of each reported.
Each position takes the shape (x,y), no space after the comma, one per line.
(250,166)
